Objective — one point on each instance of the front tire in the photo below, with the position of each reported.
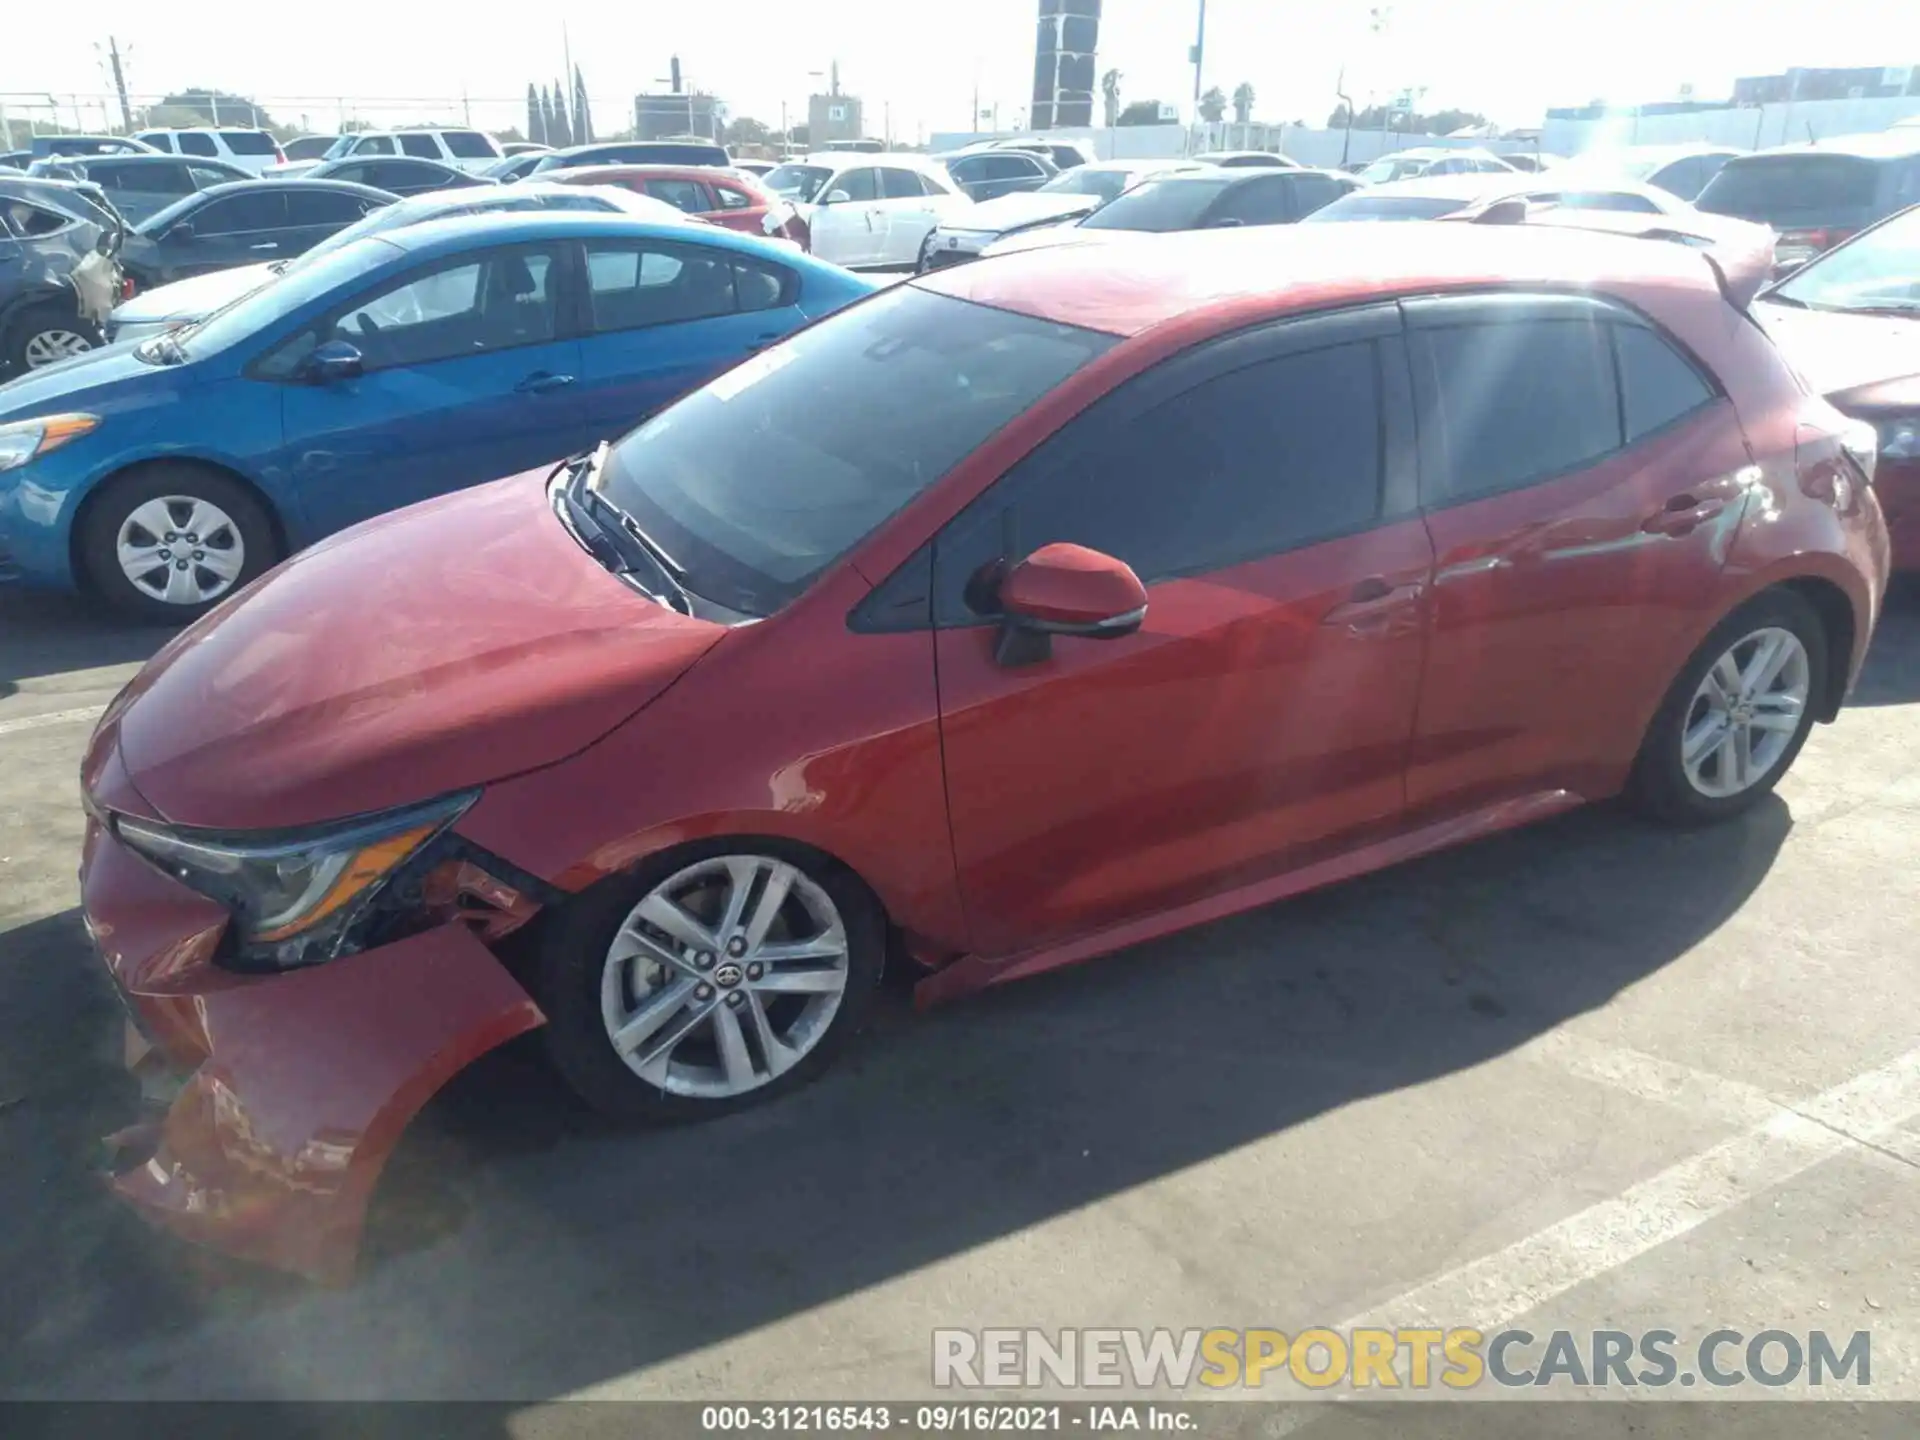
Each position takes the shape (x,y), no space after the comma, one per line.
(715,977)
(168,542)
(1737,715)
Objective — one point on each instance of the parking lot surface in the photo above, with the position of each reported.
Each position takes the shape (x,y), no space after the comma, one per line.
(1589,1074)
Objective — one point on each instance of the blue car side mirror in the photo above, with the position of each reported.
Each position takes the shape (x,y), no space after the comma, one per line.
(335,360)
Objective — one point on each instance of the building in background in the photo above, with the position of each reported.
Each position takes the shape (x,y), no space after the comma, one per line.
(834,115)
(682,112)
(1064,90)
(1876,82)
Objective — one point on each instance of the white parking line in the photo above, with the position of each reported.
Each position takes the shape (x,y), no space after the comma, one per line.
(57,717)
(1498,1288)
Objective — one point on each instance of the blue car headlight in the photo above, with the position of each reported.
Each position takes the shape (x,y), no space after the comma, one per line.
(25,440)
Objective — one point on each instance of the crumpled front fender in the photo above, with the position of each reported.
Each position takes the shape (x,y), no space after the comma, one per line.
(272,1148)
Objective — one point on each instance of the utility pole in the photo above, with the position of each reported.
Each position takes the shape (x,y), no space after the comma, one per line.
(1199,61)
(120,82)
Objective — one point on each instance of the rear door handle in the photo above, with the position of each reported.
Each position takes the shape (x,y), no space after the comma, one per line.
(541,381)
(1682,515)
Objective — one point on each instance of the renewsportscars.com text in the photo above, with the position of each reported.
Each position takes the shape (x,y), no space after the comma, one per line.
(1461,1358)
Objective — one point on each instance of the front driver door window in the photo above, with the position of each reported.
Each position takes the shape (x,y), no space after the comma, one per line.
(1262,489)
(467,378)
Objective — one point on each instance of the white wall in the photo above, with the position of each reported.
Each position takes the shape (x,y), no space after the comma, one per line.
(1308,146)
(1749,129)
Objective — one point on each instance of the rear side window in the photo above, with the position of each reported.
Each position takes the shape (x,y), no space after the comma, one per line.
(1310,192)
(468,144)
(1264,201)
(1657,384)
(731,199)
(687,195)
(420,146)
(859,184)
(195,144)
(248,142)
(1765,187)
(373,145)
(161,140)
(1261,460)
(635,284)
(30,220)
(322,207)
(901,185)
(240,213)
(164,179)
(1508,403)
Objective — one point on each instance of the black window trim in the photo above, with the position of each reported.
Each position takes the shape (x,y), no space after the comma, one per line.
(1457,309)
(891,607)
(568,266)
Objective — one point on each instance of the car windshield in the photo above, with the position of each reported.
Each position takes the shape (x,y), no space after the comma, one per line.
(759,481)
(797,182)
(1879,271)
(1362,206)
(1085,180)
(1160,205)
(244,317)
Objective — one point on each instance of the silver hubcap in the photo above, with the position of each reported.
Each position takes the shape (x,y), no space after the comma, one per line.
(51,345)
(724,977)
(1746,713)
(181,550)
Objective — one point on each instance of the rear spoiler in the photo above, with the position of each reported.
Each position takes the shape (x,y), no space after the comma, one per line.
(1739,253)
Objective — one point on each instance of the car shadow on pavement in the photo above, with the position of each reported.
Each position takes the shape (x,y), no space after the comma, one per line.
(1892,672)
(42,633)
(522,1249)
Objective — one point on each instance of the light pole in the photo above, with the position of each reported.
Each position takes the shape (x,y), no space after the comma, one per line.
(1199,60)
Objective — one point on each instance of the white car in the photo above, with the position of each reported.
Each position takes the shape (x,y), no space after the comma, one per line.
(868,211)
(469,150)
(254,151)
(1066,197)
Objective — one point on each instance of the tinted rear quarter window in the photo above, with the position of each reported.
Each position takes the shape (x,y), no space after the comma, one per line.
(420,146)
(468,144)
(900,185)
(248,142)
(322,207)
(1507,403)
(240,213)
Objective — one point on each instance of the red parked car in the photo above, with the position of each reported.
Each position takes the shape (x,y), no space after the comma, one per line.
(726,197)
(1021,612)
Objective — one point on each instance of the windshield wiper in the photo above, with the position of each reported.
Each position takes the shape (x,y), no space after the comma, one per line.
(618,530)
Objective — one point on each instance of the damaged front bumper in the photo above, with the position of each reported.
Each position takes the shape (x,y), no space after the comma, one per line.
(297,1086)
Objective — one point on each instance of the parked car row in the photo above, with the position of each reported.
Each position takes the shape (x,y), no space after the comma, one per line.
(977,624)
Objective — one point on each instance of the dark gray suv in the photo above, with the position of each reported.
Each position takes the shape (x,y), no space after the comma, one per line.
(1814,196)
(47,231)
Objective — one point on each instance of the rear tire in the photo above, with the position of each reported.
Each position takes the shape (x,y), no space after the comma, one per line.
(1736,716)
(142,547)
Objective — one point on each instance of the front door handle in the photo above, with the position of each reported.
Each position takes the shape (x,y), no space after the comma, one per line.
(1372,602)
(268,245)
(1682,515)
(760,342)
(542,381)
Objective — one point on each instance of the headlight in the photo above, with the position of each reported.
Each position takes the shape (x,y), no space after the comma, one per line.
(296,899)
(1900,437)
(26,440)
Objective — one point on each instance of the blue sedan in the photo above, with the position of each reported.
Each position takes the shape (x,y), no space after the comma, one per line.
(162,475)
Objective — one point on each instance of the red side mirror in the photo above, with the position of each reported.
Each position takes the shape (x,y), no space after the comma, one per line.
(1066,590)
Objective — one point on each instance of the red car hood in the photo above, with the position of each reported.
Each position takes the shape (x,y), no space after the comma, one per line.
(1840,353)
(438,647)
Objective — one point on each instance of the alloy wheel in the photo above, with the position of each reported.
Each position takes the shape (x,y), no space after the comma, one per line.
(724,976)
(1749,707)
(50,345)
(180,550)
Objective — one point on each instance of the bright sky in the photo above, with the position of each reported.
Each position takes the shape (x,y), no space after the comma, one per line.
(922,60)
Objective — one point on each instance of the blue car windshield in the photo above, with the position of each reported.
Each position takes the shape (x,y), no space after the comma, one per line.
(247,316)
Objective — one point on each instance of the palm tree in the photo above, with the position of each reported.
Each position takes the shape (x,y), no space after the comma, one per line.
(1242,103)
(1213,106)
(1110,92)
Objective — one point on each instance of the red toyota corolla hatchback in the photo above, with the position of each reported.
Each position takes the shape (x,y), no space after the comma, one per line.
(1019,613)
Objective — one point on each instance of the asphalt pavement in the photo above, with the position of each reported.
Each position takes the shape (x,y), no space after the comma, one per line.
(1589,1074)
